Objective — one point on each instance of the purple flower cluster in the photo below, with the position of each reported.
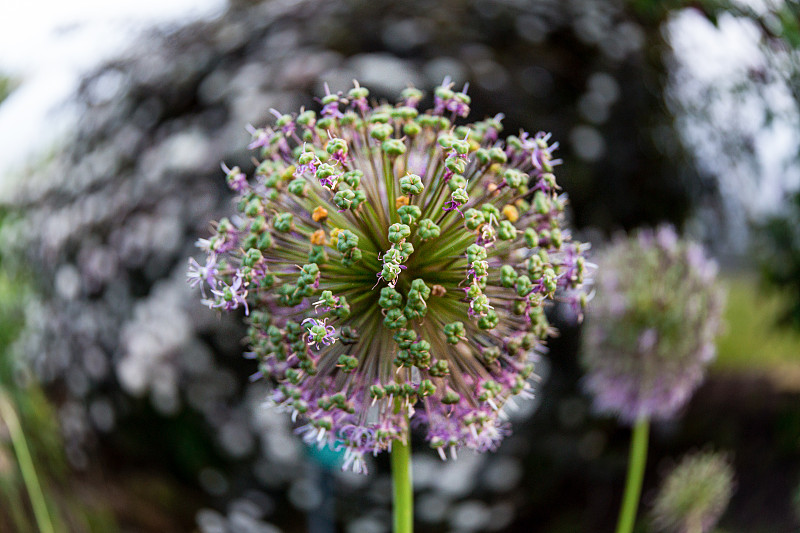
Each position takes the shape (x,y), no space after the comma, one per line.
(653,324)
(464,234)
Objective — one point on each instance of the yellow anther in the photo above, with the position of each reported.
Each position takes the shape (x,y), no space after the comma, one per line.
(335,236)
(400,202)
(511,213)
(318,237)
(320,213)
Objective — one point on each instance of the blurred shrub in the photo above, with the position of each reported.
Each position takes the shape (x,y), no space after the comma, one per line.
(755,342)
(778,253)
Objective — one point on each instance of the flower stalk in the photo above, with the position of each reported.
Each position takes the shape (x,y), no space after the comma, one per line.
(633,484)
(402,488)
(25,461)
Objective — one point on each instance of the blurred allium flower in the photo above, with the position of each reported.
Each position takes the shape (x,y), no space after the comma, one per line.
(694,494)
(395,267)
(653,325)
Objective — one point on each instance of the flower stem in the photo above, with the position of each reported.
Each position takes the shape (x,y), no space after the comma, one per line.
(402,491)
(633,484)
(25,461)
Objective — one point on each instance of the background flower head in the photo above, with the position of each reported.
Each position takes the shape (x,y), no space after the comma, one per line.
(653,325)
(693,496)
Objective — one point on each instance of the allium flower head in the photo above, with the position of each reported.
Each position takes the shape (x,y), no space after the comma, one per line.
(395,267)
(653,324)
(694,494)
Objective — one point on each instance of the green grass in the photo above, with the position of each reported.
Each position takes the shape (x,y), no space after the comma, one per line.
(752,340)
(36,494)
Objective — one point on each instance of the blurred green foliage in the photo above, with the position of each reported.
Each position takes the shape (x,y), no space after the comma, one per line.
(752,339)
(778,253)
(778,20)
(6,86)
(29,433)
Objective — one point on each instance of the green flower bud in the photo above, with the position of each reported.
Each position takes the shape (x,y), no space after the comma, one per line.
(298,187)
(457,181)
(460,196)
(439,369)
(352,257)
(523,286)
(451,397)
(409,214)
(454,331)
(473,219)
(427,229)
(381,132)
(498,155)
(426,388)
(325,123)
(393,147)
(404,338)
(491,355)
(531,238)
(358,198)
(541,204)
(412,129)
(358,93)
(481,304)
(395,319)
(476,252)
(336,145)
(390,298)
(344,199)
(253,208)
(398,232)
(379,117)
(489,321)
(405,249)
(456,165)
(353,178)
(252,257)
(411,184)
(317,255)
(283,222)
(306,118)
(506,231)
(490,212)
(508,276)
(515,178)
(346,241)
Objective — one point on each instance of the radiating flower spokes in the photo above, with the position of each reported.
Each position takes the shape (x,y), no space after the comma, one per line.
(464,234)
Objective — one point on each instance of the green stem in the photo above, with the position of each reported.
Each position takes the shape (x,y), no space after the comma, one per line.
(25,461)
(402,492)
(633,484)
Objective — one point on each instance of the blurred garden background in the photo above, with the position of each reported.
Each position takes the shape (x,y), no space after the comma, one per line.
(126,406)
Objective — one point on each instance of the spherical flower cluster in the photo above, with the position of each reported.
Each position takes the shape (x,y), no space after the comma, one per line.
(395,268)
(694,494)
(653,325)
